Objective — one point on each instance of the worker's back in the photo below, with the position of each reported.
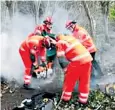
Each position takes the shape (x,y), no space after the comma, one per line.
(83,36)
(74,50)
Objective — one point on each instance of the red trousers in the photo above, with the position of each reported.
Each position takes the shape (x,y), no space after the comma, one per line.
(76,72)
(25,55)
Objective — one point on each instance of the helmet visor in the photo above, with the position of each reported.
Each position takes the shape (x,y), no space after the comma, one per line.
(47,23)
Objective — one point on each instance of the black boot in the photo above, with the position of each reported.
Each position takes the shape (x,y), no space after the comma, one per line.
(81,105)
(26,86)
(18,108)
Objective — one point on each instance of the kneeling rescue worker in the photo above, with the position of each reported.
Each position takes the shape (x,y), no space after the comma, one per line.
(29,51)
(79,68)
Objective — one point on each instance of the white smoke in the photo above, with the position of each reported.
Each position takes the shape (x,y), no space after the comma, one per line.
(11,63)
(17,31)
(60,17)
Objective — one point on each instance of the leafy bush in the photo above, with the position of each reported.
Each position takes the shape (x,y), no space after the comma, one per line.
(112,12)
(97,101)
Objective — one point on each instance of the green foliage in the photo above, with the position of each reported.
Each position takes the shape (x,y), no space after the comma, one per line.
(112,12)
(97,101)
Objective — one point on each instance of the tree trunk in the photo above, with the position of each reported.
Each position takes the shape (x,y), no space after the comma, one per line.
(105,12)
(91,19)
(36,9)
(9,5)
(106,27)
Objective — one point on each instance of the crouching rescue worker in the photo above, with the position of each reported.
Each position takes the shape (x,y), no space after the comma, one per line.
(83,36)
(79,68)
(29,51)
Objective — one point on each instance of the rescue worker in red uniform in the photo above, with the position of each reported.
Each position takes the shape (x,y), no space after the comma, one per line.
(79,68)
(29,51)
(83,36)
(44,28)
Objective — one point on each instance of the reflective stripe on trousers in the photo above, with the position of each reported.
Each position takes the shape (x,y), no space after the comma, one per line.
(82,74)
(66,96)
(83,97)
(27,79)
(83,100)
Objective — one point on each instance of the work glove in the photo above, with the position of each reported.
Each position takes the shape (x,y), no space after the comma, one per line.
(49,72)
(43,74)
(26,86)
(34,70)
(38,70)
(43,64)
(35,67)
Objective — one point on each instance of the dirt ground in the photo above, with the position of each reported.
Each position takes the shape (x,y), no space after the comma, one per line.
(9,99)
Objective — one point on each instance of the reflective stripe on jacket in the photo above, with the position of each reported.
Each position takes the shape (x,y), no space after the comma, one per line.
(82,35)
(72,49)
(40,28)
(33,45)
